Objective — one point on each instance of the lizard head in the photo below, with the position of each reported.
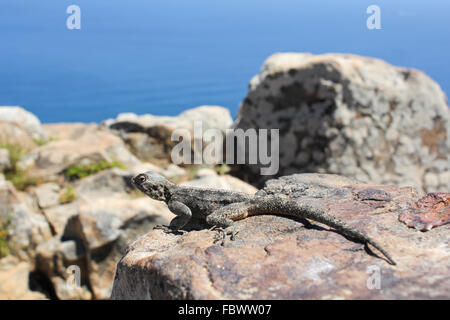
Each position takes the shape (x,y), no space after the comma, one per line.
(153,184)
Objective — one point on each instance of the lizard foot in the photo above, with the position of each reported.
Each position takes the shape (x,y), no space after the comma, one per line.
(222,234)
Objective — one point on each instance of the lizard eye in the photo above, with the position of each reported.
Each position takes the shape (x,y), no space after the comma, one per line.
(141,178)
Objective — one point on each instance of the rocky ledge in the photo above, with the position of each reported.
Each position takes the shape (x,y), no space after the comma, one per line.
(278,258)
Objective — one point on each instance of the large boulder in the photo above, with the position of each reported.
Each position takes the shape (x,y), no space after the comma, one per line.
(276,257)
(149,136)
(25,119)
(355,116)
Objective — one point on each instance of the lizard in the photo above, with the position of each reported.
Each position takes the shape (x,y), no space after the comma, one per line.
(221,208)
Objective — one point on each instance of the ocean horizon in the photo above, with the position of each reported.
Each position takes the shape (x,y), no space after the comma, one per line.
(167,56)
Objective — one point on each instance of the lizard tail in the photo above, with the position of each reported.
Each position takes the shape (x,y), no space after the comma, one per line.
(313,211)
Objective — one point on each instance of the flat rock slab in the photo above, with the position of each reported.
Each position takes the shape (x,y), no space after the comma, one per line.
(280,258)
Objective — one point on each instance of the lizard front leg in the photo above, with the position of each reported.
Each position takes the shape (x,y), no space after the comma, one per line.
(223,219)
(183,215)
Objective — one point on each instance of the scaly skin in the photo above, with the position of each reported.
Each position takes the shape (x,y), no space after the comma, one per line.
(220,208)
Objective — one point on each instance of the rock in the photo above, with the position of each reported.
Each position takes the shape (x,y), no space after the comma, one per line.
(113,183)
(5,162)
(355,116)
(26,228)
(98,189)
(149,137)
(53,259)
(211,117)
(106,228)
(25,119)
(14,285)
(225,182)
(54,157)
(173,171)
(65,291)
(145,147)
(108,184)
(276,257)
(92,234)
(433,210)
(205,172)
(69,131)
(59,215)
(13,134)
(47,195)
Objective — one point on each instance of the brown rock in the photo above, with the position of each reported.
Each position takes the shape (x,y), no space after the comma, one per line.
(278,258)
(54,157)
(68,131)
(431,211)
(14,276)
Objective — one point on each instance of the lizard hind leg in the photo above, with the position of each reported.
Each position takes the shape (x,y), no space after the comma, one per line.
(223,219)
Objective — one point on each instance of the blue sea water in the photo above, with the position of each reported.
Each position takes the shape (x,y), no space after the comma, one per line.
(164,56)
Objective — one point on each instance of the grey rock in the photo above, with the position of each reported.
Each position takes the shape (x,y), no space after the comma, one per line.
(25,119)
(47,195)
(59,215)
(14,134)
(53,259)
(149,137)
(26,228)
(350,115)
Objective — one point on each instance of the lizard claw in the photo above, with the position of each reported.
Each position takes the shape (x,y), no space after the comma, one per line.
(233,235)
(222,234)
